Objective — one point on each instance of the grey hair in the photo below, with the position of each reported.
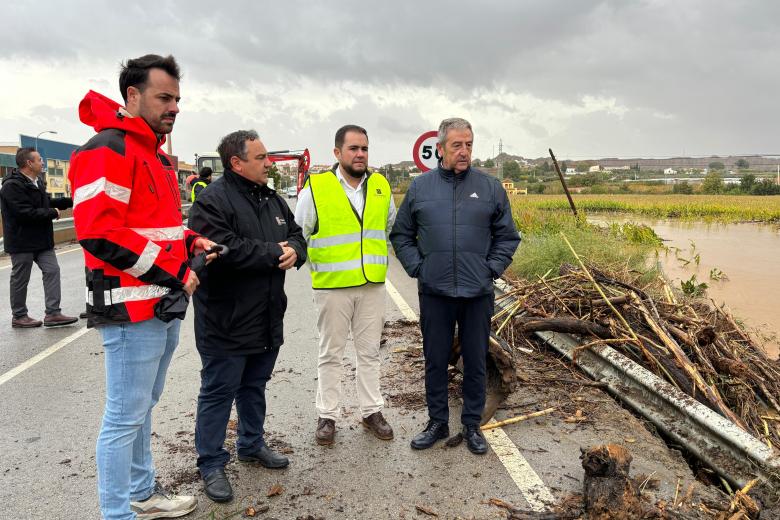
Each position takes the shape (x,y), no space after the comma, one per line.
(234,145)
(453,123)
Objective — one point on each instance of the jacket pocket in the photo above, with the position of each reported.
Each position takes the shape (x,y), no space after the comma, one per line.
(150,182)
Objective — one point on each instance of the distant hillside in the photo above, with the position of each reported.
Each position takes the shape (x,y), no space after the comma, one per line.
(756,162)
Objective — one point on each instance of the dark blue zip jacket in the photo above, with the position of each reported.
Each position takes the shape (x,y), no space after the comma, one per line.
(455,233)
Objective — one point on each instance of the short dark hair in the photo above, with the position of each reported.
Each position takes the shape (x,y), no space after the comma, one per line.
(23,155)
(234,145)
(205,172)
(135,72)
(342,132)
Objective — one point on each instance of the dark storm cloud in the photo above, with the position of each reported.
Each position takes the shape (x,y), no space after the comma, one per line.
(708,69)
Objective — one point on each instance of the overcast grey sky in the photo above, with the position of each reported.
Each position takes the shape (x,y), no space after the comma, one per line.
(587,78)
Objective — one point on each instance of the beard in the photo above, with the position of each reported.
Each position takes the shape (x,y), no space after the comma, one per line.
(352,172)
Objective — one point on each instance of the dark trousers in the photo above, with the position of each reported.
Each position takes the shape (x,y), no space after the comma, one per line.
(438,316)
(21,267)
(223,379)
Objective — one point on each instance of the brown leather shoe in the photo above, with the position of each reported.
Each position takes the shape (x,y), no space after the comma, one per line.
(326,431)
(378,426)
(25,322)
(55,320)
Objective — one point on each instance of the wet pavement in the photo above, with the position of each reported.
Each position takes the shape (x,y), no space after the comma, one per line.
(52,412)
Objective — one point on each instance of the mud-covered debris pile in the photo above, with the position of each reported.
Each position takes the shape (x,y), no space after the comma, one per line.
(693,344)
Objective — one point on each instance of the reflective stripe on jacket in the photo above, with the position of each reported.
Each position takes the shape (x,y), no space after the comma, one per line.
(348,250)
(127,214)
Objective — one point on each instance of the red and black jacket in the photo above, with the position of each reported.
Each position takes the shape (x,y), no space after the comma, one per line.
(127,212)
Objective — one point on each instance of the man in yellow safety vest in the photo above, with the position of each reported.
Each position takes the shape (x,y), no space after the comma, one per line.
(346,215)
(204,179)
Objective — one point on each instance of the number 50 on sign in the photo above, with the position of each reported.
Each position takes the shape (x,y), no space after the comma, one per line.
(424,153)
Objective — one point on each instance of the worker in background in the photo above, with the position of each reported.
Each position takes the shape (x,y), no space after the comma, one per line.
(204,179)
(346,215)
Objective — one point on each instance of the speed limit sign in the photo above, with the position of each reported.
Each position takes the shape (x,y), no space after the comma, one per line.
(424,153)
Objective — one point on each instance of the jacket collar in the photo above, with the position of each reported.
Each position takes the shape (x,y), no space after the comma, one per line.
(100,112)
(17,174)
(450,175)
(245,185)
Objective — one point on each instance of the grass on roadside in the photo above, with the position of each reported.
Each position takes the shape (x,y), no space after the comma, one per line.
(721,208)
(615,248)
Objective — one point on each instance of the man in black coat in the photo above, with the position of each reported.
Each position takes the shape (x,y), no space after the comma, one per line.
(240,305)
(454,232)
(29,237)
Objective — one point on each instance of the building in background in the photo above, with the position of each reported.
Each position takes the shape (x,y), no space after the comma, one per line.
(56,161)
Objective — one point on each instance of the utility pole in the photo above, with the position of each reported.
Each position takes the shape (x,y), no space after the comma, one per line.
(501,165)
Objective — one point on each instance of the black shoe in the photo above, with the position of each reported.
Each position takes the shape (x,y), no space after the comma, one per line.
(474,439)
(432,433)
(217,486)
(83,315)
(266,457)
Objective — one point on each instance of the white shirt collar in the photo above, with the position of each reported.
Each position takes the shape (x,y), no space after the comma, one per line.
(34,180)
(342,179)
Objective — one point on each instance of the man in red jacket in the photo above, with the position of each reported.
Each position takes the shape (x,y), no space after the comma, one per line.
(127,213)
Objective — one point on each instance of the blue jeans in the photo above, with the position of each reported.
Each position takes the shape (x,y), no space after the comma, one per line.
(137,359)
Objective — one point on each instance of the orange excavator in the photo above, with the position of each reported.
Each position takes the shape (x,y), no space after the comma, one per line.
(301,156)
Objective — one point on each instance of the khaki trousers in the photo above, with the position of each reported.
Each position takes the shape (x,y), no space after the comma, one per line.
(361,310)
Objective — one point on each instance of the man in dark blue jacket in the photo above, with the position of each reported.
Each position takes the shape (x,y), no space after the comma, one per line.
(454,232)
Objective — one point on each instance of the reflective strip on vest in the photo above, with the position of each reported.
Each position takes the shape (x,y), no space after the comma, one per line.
(160,234)
(346,252)
(130,294)
(349,264)
(335,240)
(192,193)
(349,238)
(101,185)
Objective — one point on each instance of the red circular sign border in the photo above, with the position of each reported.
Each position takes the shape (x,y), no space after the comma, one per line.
(416,149)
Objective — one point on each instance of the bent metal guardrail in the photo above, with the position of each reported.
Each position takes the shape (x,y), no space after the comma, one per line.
(733,453)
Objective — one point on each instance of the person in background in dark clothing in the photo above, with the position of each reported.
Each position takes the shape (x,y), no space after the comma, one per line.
(240,305)
(204,179)
(28,234)
(454,232)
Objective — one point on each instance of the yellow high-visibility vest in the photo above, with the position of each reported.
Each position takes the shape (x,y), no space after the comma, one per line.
(199,183)
(345,252)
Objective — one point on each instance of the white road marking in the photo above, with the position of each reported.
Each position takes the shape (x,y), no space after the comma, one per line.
(535,492)
(43,355)
(77,248)
(399,301)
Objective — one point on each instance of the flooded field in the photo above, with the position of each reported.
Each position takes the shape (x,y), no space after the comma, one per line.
(737,261)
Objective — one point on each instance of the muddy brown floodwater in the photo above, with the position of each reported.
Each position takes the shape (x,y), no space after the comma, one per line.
(748,254)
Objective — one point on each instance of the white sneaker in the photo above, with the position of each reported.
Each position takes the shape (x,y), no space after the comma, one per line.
(163,504)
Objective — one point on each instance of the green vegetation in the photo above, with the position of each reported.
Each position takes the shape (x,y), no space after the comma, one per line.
(722,208)
(626,246)
(713,183)
(692,287)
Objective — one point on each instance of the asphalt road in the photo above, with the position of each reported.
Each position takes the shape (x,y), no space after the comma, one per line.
(51,413)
